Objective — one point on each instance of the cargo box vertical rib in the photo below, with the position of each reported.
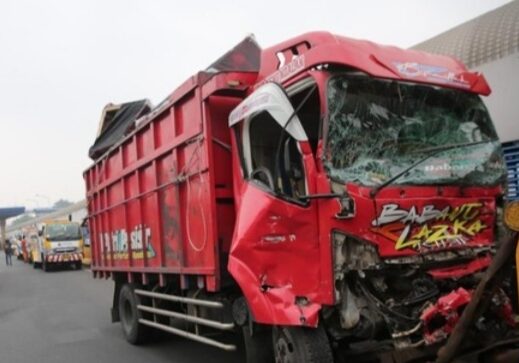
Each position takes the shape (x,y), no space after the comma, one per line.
(150,200)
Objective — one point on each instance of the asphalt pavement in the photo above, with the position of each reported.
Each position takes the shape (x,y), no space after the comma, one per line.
(64,316)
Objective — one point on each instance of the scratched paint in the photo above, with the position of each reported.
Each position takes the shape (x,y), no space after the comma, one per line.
(429,227)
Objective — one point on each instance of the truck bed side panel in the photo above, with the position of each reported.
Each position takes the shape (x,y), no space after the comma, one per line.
(150,198)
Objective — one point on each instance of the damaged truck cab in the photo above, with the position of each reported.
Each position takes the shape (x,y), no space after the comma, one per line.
(340,200)
(368,182)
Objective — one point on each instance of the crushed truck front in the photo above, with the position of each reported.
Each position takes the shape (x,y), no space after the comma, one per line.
(369,196)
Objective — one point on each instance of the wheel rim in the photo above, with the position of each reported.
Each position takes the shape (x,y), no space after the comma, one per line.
(284,351)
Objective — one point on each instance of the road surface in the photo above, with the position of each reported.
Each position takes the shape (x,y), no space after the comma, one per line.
(64,316)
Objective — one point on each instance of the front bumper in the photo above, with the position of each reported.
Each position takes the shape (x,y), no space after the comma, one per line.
(64,257)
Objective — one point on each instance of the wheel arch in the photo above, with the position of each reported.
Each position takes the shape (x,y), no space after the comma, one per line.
(272,306)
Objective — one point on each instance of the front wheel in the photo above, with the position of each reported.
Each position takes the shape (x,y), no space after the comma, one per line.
(301,345)
(257,344)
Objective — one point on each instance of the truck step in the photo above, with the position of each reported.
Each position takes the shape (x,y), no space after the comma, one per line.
(192,319)
(185,317)
(185,300)
(188,335)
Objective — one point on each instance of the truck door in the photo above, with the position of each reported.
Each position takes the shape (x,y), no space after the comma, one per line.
(274,255)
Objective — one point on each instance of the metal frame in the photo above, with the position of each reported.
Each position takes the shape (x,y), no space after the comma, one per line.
(185,317)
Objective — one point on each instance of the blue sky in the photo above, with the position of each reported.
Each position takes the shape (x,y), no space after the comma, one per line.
(62,61)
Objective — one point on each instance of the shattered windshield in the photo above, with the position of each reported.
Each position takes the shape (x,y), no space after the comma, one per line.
(377,128)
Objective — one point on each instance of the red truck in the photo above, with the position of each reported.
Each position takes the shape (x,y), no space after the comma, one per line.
(330,199)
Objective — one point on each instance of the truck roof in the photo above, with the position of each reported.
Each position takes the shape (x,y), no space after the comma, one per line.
(282,61)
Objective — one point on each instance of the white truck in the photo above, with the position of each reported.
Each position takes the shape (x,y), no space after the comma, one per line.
(60,243)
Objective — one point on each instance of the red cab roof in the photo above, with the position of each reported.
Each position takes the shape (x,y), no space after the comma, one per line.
(281,62)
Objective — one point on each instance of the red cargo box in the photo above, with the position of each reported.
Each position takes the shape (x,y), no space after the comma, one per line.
(160,201)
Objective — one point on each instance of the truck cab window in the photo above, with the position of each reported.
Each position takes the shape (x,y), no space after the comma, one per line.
(309,115)
(286,175)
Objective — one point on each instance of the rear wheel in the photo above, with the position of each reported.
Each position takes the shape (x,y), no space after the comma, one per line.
(301,345)
(134,332)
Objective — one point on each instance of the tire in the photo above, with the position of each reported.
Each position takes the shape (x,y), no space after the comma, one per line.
(134,332)
(78,265)
(301,345)
(258,346)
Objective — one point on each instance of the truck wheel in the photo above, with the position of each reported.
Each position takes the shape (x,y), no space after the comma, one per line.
(258,346)
(134,332)
(298,345)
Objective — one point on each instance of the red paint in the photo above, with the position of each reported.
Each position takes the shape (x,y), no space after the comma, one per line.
(466,209)
(376,60)
(461,270)
(175,190)
(271,257)
(163,189)
(440,319)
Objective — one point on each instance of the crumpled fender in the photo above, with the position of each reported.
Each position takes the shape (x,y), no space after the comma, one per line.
(272,305)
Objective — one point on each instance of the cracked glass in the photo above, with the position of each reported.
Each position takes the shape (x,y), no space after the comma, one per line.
(377,128)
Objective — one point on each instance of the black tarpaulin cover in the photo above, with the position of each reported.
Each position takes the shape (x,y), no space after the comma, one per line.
(244,57)
(118,126)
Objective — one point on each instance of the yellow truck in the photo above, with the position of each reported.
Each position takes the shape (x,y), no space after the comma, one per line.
(87,253)
(59,243)
(33,245)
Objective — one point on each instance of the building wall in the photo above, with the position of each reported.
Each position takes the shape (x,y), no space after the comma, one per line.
(503,103)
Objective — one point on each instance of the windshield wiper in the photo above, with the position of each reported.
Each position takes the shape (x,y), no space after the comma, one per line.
(433,151)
